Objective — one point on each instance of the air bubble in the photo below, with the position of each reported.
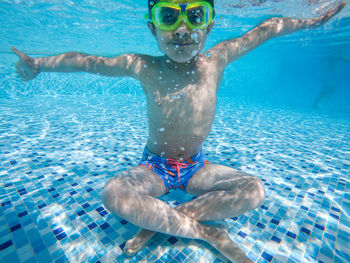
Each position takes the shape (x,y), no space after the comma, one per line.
(161,129)
(195,36)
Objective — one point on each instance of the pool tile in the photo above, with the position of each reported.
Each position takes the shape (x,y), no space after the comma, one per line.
(61,216)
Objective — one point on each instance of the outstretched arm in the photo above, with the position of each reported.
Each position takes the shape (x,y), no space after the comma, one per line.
(232,49)
(28,68)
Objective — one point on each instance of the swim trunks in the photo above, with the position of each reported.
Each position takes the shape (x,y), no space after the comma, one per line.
(174,173)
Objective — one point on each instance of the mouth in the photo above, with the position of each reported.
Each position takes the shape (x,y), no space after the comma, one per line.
(182,44)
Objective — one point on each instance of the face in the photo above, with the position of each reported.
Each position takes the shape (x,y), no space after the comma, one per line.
(183,43)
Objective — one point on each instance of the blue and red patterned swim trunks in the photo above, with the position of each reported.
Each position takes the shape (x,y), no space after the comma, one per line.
(174,173)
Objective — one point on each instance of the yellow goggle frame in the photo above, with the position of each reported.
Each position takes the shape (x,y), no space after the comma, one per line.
(168,16)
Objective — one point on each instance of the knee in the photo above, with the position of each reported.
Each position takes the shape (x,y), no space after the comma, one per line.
(259,193)
(112,194)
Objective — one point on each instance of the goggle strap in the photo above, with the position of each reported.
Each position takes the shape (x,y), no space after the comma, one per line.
(148,18)
(183,7)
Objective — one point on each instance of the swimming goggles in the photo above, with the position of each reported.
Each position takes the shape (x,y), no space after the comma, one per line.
(168,16)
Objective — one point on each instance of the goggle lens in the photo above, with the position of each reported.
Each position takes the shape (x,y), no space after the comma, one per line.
(196,15)
(167,15)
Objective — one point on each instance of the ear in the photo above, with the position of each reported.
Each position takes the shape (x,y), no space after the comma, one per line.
(152,28)
(210,27)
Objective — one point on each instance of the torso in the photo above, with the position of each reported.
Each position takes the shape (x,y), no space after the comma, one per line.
(181,105)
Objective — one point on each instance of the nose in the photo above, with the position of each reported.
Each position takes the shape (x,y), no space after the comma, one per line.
(182,31)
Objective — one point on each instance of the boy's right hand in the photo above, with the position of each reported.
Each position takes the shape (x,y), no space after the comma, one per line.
(26,68)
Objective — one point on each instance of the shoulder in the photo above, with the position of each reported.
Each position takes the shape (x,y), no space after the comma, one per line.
(146,67)
(215,57)
(136,64)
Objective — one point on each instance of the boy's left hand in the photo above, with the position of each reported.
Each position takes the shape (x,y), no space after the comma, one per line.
(315,22)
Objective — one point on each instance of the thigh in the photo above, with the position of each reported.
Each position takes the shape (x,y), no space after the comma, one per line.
(215,177)
(139,180)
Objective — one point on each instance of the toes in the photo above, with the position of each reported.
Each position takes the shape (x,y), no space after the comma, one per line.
(130,252)
(130,248)
(135,244)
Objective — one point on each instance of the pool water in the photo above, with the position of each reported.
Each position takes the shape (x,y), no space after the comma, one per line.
(63,135)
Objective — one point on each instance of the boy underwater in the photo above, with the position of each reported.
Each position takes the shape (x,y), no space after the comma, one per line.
(181,92)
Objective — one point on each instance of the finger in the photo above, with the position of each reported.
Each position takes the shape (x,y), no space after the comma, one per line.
(340,7)
(343,4)
(22,55)
(16,51)
(20,76)
(19,69)
(19,72)
(27,77)
(24,77)
(336,10)
(25,74)
(19,65)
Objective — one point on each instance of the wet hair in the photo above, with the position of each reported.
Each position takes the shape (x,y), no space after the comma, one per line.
(151,3)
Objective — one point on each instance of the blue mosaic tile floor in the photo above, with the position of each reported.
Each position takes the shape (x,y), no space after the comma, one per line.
(57,153)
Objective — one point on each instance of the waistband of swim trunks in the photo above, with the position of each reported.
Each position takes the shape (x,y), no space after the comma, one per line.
(158,158)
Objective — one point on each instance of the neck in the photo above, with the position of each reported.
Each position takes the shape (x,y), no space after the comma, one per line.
(190,64)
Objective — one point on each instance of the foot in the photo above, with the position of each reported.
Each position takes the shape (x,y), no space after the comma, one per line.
(220,240)
(134,245)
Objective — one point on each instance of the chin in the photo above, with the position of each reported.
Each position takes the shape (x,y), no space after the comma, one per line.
(181,58)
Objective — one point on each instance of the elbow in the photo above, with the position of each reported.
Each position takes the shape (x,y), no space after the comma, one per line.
(272,26)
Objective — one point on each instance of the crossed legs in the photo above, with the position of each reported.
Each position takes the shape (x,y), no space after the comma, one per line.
(222,193)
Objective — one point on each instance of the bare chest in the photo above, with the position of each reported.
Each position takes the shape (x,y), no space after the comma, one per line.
(182,102)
